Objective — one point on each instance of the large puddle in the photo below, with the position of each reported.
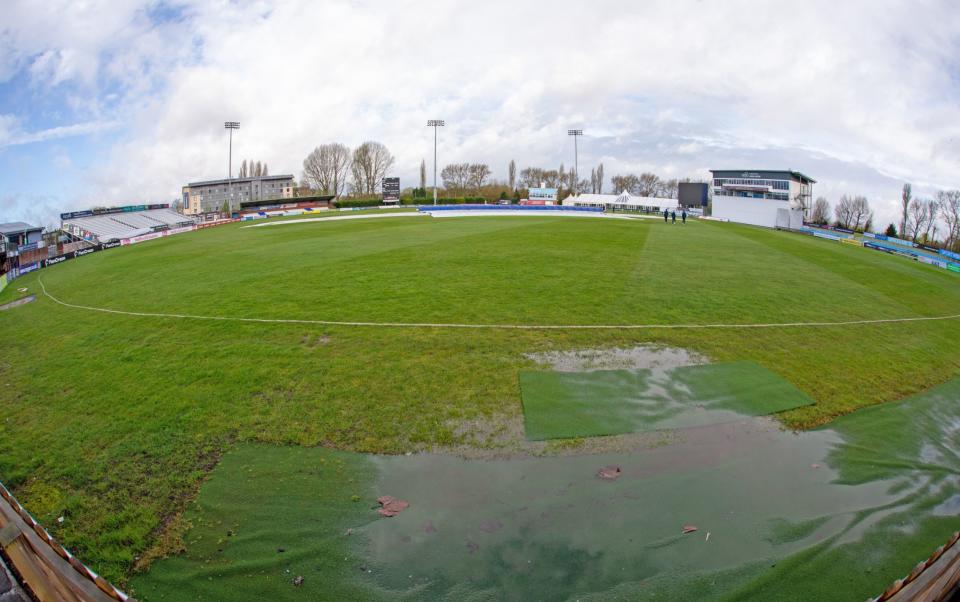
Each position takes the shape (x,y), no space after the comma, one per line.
(837,513)
(550,528)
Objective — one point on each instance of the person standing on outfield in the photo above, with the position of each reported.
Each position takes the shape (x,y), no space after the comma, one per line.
(664,216)
(683,215)
(673,216)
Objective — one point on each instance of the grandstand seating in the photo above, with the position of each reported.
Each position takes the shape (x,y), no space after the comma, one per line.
(116,226)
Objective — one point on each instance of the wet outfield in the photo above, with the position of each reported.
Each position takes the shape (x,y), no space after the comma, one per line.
(835,513)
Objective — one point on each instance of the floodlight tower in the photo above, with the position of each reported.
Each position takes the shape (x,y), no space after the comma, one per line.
(576,165)
(435,123)
(230,125)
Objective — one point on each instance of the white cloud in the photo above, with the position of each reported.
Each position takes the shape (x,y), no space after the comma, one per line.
(11,133)
(859,97)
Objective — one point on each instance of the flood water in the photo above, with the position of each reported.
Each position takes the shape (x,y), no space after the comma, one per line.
(550,528)
(737,510)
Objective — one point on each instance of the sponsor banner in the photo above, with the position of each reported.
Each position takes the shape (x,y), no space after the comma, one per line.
(900,241)
(87,251)
(24,248)
(111,245)
(3,282)
(180,230)
(926,248)
(218,222)
(74,214)
(871,245)
(844,230)
(931,261)
(827,236)
(55,260)
(30,267)
(141,238)
(851,241)
(953,267)
(950,254)
(111,210)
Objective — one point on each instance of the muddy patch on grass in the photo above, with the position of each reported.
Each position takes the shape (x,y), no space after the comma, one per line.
(18,302)
(502,437)
(649,357)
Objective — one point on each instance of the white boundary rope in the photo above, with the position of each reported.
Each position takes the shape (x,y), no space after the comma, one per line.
(495,326)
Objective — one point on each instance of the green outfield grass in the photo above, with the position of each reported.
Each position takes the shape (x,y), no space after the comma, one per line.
(112,421)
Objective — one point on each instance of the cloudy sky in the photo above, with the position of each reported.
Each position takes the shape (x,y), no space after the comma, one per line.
(116,102)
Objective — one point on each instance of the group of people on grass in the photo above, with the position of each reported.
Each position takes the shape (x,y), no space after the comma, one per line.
(673,215)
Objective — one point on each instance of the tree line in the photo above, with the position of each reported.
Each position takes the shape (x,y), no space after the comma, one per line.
(336,169)
(647,185)
(929,221)
(253,170)
(461,179)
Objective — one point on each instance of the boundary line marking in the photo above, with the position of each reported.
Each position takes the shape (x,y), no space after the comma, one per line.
(441,325)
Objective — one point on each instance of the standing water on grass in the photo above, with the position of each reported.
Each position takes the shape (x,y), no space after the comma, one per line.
(834,513)
(735,510)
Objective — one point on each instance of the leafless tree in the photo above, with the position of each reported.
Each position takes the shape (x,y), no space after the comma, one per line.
(862,215)
(265,169)
(531,177)
(593,180)
(551,178)
(456,177)
(478,174)
(948,202)
(843,212)
(853,213)
(821,212)
(600,179)
(905,198)
(243,169)
(668,189)
(326,167)
(933,210)
(535,177)
(626,183)
(918,218)
(512,175)
(423,174)
(258,170)
(370,163)
(647,185)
